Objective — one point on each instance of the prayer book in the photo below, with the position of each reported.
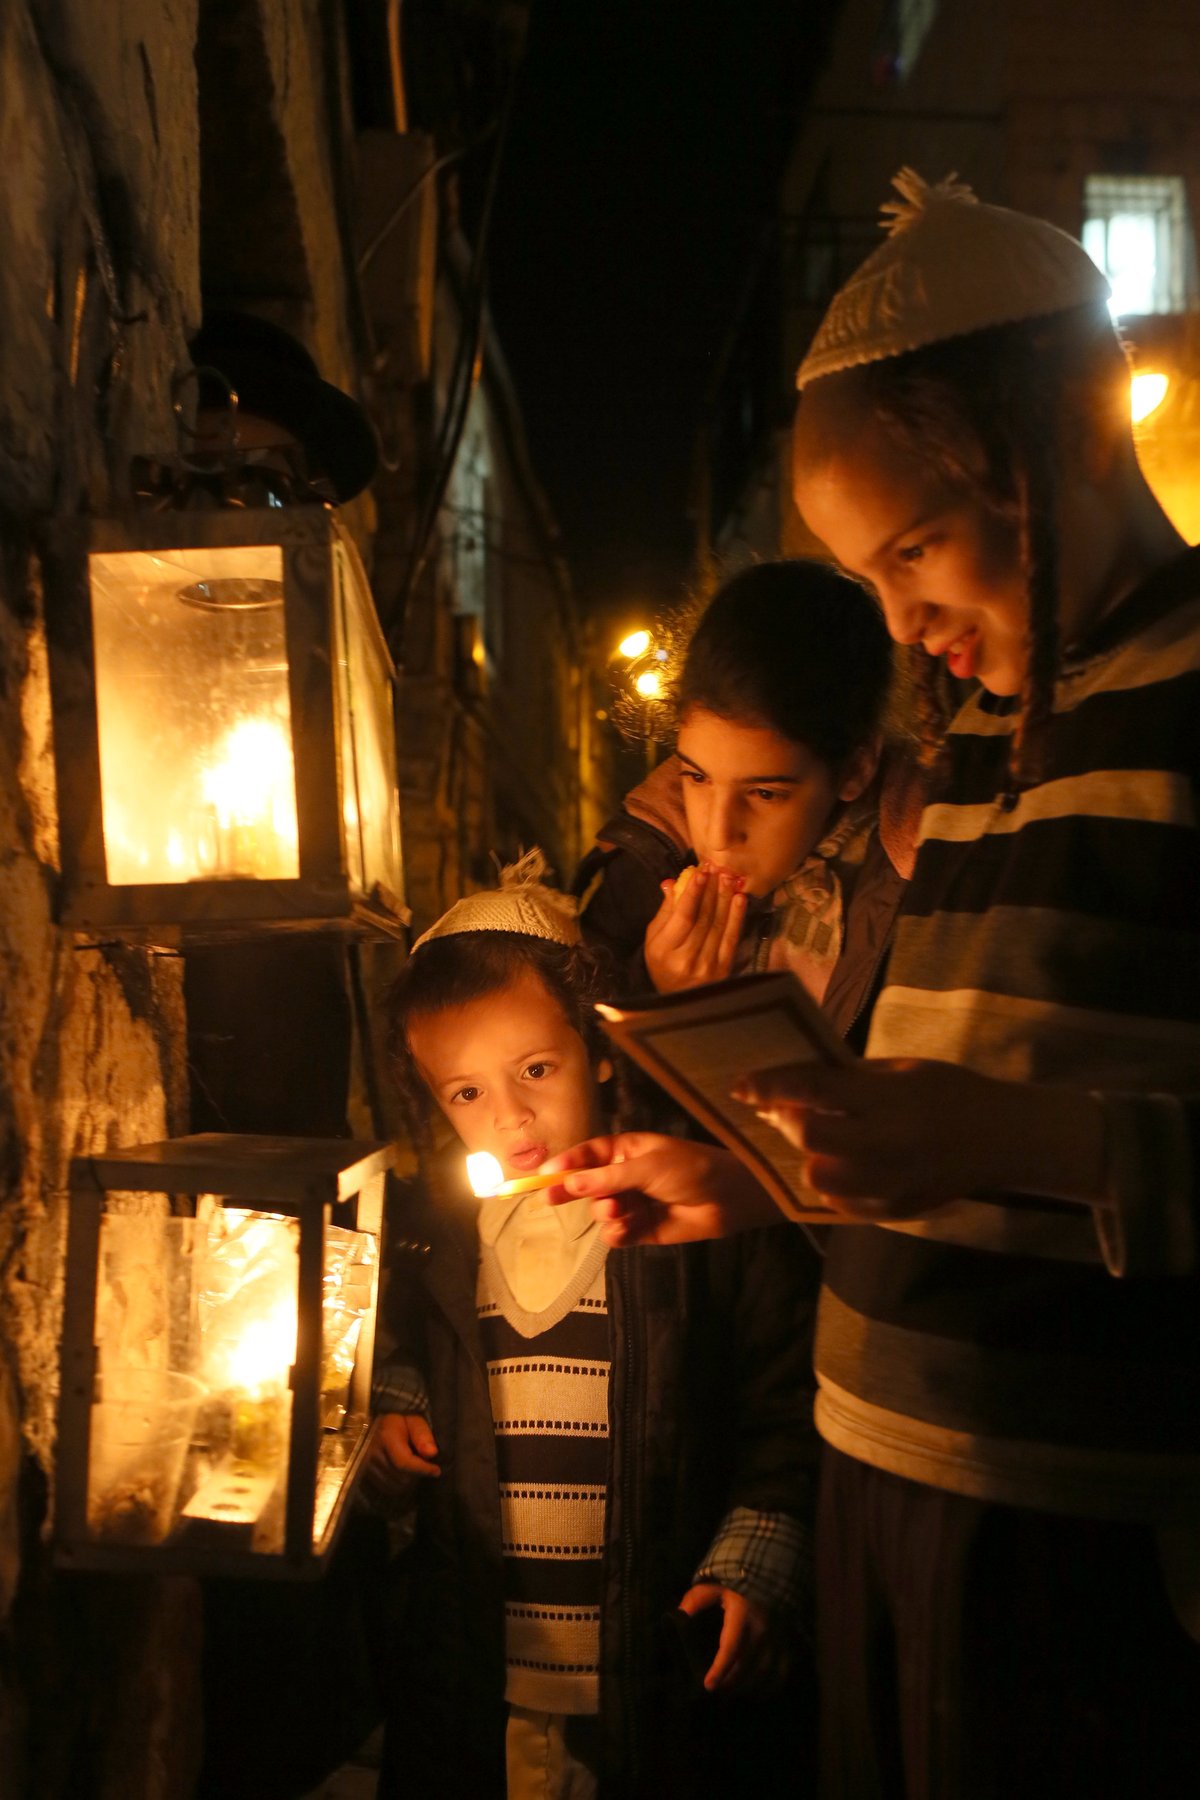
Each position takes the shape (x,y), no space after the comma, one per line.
(697,1043)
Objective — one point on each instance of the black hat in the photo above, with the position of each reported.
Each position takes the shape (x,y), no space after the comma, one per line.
(275,377)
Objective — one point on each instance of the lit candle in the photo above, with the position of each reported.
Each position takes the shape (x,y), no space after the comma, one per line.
(251,790)
(259,1366)
(485,1176)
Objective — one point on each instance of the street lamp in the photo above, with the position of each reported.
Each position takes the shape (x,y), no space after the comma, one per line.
(1147,391)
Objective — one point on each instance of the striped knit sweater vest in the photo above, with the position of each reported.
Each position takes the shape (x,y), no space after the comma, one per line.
(548,1382)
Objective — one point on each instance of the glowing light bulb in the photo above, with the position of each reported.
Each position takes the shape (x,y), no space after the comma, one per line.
(649,684)
(1146,392)
(636,644)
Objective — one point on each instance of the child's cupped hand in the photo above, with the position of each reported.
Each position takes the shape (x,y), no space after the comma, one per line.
(402,1451)
(750,1657)
(693,937)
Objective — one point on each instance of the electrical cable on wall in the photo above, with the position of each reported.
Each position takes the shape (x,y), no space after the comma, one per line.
(462,378)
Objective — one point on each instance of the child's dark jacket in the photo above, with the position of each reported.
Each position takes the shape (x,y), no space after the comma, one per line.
(710,1407)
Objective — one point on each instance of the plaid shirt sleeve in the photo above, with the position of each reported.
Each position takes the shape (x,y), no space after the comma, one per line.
(764,1555)
(399,1389)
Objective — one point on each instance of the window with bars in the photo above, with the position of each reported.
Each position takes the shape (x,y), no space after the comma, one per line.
(1135,228)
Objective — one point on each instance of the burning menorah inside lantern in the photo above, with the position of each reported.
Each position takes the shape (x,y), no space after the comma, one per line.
(224,725)
(216,1363)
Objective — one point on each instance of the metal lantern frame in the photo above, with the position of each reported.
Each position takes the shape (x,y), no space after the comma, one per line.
(320,1182)
(318,619)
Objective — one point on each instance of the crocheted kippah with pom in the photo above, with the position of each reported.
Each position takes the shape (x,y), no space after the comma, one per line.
(522,903)
(950,264)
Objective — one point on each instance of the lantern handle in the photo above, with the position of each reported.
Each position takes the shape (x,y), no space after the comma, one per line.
(229,445)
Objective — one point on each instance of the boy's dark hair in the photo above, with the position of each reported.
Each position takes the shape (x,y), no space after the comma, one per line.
(988,412)
(451,971)
(797,647)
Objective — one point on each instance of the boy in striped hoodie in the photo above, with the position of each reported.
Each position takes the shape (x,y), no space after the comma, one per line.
(1008,1346)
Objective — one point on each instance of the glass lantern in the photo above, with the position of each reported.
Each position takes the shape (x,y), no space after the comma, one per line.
(217,1363)
(224,726)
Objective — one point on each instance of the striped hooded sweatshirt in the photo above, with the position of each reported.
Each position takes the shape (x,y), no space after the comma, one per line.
(1024,1350)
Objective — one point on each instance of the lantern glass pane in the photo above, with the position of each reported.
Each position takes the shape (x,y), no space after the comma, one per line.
(367,736)
(196,1337)
(194,715)
(146,1402)
(351,1267)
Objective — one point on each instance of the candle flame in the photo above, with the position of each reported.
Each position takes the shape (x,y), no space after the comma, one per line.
(484,1173)
(255,780)
(266,1350)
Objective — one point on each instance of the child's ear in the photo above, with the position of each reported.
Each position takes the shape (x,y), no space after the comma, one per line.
(859,772)
(604,1069)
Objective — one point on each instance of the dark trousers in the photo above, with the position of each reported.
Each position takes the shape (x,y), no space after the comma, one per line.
(970,1651)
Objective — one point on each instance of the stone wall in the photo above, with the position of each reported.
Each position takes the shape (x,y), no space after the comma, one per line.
(99,284)
(150,151)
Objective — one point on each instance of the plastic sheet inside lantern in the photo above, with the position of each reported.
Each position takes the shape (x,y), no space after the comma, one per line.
(196,1328)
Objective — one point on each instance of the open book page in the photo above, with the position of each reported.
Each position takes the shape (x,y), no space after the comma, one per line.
(696,1045)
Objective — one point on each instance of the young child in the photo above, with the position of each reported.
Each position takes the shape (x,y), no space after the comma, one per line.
(745,848)
(1009,1371)
(600,1443)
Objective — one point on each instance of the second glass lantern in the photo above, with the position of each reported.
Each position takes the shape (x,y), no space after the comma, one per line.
(216,1361)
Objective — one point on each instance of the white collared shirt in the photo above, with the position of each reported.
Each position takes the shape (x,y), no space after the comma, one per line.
(539,1247)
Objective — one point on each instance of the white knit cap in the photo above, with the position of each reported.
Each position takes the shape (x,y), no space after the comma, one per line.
(522,903)
(950,265)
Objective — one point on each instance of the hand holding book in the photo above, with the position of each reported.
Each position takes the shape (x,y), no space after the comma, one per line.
(699,1044)
(888,1140)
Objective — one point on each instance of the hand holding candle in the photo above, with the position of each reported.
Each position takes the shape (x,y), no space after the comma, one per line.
(487,1178)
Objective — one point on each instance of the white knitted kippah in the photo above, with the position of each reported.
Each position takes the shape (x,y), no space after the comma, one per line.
(949,265)
(522,903)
